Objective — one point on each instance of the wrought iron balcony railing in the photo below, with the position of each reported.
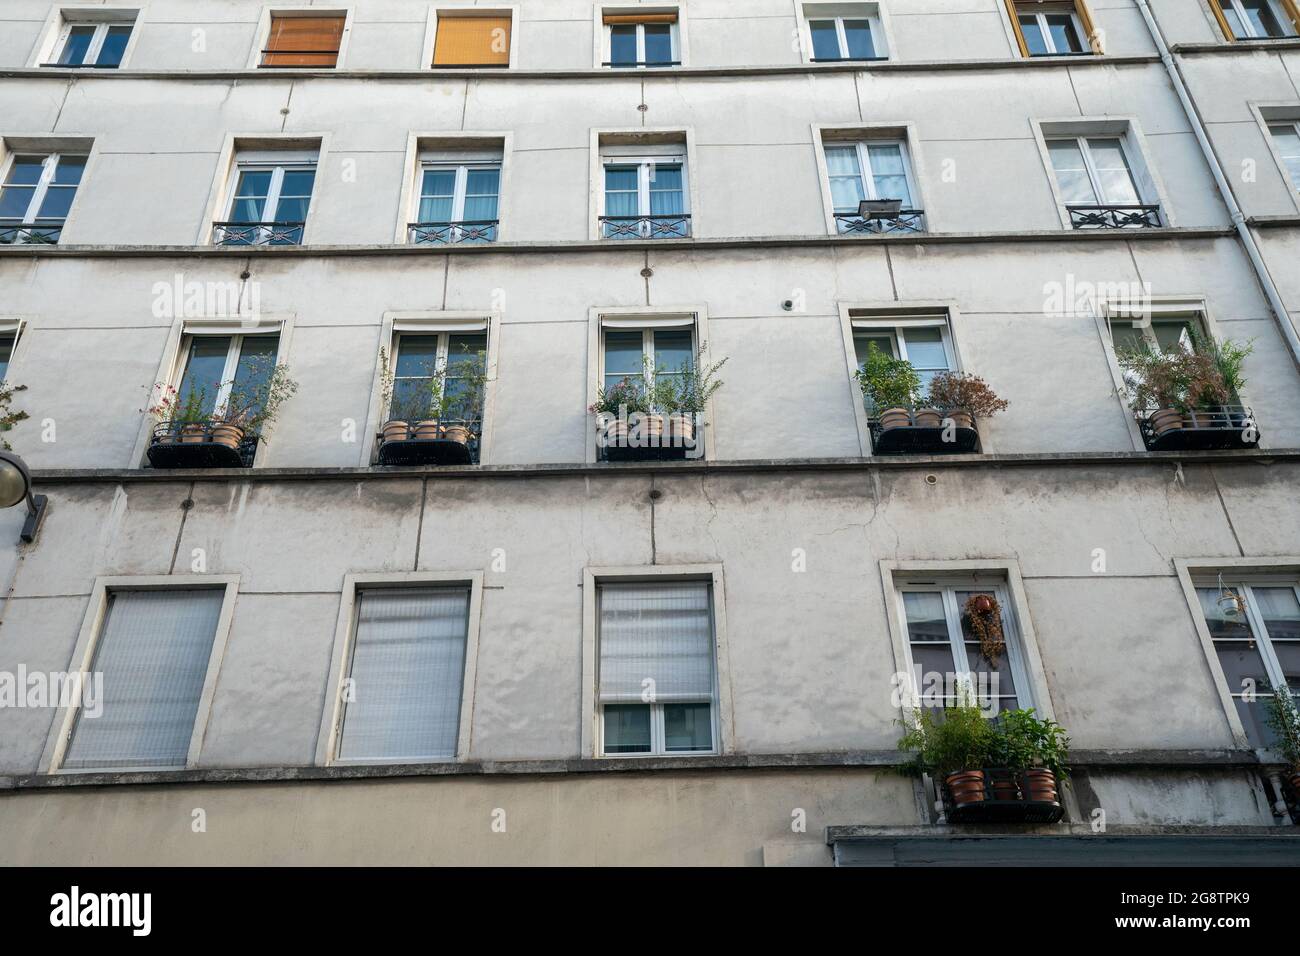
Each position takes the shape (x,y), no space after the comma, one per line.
(44,232)
(645,227)
(1115,217)
(442,233)
(848,59)
(204,444)
(906,220)
(649,437)
(913,430)
(451,441)
(642,63)
(1213,427)
(257,233)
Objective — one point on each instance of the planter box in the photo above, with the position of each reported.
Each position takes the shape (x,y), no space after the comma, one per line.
(194,445)
(425,443)
(1218,427)
(915,434)
(654,438)
(1000,797)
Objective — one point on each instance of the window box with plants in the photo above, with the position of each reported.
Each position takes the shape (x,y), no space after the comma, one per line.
(657,417)
(1284,721)
(1006,769)
(436,419)
(1186,398)
(906,419)
(193,430)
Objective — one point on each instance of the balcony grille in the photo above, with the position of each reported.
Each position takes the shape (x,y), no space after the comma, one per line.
(42,232)
(910,430)
(1115,217)
(907,220)
(1214,427)
(649,437)
(645,227)
(430,442)
(195,445)
(445,233)
(257,233)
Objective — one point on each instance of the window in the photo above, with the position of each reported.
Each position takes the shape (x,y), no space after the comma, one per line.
(944,654)
(305,42)
(925,341)
(1287,138)
(840,31)
(448,356)
(218,367)
(99,45)
(1257,19)
(645,356)
(458,201)
(1162,334)
(153,650)
(877,170)
(406,673)
(269,201)
(37,195)
(656,686)
(641,40)
(472,40)
(7,340)
(645,197)
(1098,185)
(1045,28)
(1255,628)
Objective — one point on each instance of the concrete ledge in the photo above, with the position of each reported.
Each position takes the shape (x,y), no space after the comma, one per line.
(1239,46)
(836,834)
(1273,222)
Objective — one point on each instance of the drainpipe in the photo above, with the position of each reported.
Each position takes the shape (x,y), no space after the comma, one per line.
(1225,190)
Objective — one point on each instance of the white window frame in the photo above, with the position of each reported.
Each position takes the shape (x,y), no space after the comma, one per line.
(647,348)
(1286,172)
(101,28)
(49,166)
(462,168)
(676,36)
(1279,11)
(1041,17)
(230,368)
(592,731)
(866,174)
(1082,141)
(83,656)
(1243,584)
(644,166)
(870,14)
(277,170)
(1126,129)
(11,327)
(345,634)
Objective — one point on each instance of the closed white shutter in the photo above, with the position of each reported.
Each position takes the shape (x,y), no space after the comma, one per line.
(657,632)
(408,662)
(153,652)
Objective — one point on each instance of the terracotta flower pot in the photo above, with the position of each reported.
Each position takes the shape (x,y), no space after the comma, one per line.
(227,434)
(1166,420)
(1039,785)
(456,433)
(961,418)
(982,603)
(395,430)
(615,432)
(1004,787)
(193,433)
(929,418)
(965,786)
(895,418)
(652,426)
(427,430)
(681,427)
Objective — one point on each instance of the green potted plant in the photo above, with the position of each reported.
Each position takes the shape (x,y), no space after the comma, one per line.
(463,406)
(615,404)
(1176,383)
(8,417)
(891,387)
(250,408)
(964,398)
(1284,718)
(954,746)
(682,397)
(179,417)
(1035,750)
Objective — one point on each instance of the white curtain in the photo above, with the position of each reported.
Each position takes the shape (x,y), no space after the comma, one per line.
(407,667)
(153,652)
(659,632)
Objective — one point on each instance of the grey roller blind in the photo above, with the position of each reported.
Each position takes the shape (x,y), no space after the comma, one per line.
(660,632)
(153,652)
(408,662)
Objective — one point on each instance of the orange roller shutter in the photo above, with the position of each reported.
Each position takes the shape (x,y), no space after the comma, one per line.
(304,41)
(472,41)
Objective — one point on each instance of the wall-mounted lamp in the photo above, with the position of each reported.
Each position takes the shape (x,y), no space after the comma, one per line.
(15,488)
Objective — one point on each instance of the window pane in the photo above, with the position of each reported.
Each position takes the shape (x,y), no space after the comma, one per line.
(655,639)
(1033,35)
(658,43)
(622,44)
(688,727)
(1071,173)
(925,348)
(153,652)
(6,351)
(481,187)
(1220,624)
(847,188)
(253,370)
(1064,36)
(673,350)
(464,352)
(926,620)
(889,172)
(417,356)
(1261,17)
(1125,337)
(1172,335)
(825,40)
(250,195)
(205,370)
(666,196)
(15,201)
(297,182)
(858,35)
(1117,184)
(1254,717)
(1288,655)
(624,354)
(69,170)
(621,190)
(57,202)
(406,675)
(110,54)
(1243,667)
(1280,612)
(627,728)
(77,45)
(26,170)
(862,345)
(1288,145)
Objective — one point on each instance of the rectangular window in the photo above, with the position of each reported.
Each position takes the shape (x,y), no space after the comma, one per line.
(37,196)
(1098,185)
(1257,19)
(657,686)
(1286,136)
(153,650)
(220,369)
(641,40)
(268,204)
(99,45)
(1256,632)
(458,202)
(1051,29)
(838,36)
(406,675)
(450,357)
(875,170)
(305,42)
(644,356)
(645,198)
(6,352)
(926,342)
(467,40)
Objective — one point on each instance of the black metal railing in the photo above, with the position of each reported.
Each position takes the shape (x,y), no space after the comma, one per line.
(448,441)
(1088,52)
(627,65)
(905,220)
(1212,427)
(257,233)
(40,232)
(442,233)
(334,54)
(1115,217)
(922,430)
(82,66)
(211,443)
(649,437)
(645,227)
(1004,796)
(848,59)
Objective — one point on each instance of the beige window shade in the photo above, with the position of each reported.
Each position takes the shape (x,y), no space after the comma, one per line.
(303,41)
(640,18)
(472,41)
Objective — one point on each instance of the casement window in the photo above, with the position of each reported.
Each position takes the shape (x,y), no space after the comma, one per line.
(304,42)
(925,341)
(1255,627)
(1161,334)
(37,196)
(219,366)
(1257,19)
(1286,136)
(657,679)
(641,40)
(471,40)
(98,45)
(1098,183)
(419,358)
(645,197)
(458,199)
(1047,28)
(646,355)
(269,200)
(840,32)
(7,341)
(153,650)
(405,675)
(872,170)
(944,654)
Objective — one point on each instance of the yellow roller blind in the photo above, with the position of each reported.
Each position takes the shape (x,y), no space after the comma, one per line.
(303,41)
(640,18)
(472,41)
